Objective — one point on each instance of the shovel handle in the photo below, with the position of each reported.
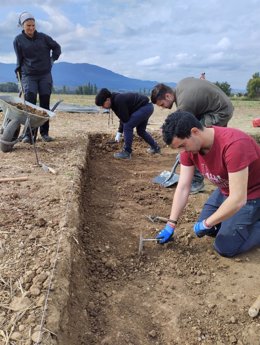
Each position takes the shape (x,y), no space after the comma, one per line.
(150,239)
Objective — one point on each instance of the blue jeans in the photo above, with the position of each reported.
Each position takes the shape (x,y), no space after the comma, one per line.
(239,233)
(138,119)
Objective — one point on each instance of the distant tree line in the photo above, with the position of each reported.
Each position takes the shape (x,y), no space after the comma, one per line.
(225,87)
(89,89)
(8,87)
(144,91)
(253,86)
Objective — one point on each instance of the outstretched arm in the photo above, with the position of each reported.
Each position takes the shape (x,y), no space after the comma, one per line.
(179,202)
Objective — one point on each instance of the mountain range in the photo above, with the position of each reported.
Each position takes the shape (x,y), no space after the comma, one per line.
(73,75)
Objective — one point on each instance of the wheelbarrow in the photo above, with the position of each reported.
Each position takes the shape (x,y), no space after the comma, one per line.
(14,118)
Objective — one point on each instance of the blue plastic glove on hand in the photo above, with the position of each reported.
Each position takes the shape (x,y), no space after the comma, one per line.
(165,234)
(200,229)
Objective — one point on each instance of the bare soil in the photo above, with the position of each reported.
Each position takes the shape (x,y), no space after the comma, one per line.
(70,272)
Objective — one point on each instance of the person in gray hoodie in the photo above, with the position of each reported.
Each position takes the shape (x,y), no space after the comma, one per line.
(205,100)
(36,53)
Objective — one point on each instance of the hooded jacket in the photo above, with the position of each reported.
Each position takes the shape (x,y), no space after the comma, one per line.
(35,54)
(125,104)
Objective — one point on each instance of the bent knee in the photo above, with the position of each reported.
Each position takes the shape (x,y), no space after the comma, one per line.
(224,252)
(226,248)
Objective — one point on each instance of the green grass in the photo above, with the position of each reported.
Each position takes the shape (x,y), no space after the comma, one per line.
(74,99)
(240,103)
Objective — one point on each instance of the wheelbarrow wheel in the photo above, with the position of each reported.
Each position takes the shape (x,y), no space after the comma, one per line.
(10,134)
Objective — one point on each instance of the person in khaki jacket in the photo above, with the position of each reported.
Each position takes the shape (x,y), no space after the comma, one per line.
(210,105)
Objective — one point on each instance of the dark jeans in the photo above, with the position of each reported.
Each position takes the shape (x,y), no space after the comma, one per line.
(239,233)
(33,85)
(138,119)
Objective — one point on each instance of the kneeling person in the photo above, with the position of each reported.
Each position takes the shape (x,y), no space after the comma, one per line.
(134,111)
(230,159)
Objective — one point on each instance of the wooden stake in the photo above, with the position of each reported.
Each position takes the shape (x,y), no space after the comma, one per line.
(16,179)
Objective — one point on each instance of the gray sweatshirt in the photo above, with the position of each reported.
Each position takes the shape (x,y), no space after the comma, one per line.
(200,97)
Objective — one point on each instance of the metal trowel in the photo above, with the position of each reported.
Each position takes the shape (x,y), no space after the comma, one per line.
(142,240)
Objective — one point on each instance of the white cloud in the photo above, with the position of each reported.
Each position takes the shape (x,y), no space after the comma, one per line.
(216,56)
(182,56)
(154,60)
(224,43)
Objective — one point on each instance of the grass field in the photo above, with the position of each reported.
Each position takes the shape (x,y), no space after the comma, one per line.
(75,99)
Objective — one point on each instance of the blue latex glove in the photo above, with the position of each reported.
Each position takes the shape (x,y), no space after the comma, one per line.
(201,229)
(165,234)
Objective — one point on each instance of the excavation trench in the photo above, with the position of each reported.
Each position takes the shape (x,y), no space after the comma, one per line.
(116,296)
(109,284)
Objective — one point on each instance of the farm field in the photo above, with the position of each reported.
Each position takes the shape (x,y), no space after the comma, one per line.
(70,272)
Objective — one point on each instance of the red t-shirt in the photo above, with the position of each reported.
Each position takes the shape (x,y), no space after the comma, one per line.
(232,151)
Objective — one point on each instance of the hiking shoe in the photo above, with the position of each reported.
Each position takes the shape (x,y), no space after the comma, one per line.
(27,140)
(47,138)
(153,150)
(122,155)
(197,187)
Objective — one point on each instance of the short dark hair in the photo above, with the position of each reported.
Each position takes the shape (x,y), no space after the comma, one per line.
(102,96)
(159,92)
(179,124)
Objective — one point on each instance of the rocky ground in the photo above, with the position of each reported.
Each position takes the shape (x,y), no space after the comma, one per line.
(70,272)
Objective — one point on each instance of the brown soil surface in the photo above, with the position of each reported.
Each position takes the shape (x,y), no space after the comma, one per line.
(70,272)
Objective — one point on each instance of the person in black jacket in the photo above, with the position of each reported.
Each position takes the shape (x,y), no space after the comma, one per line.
(35,52)
(134,111)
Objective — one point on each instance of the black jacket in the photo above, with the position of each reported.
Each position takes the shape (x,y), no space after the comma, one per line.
(125,104)
(34,53)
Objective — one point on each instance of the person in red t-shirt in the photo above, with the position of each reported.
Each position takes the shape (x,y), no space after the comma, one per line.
(230,159)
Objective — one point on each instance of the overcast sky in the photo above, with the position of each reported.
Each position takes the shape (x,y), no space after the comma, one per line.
(163,40)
